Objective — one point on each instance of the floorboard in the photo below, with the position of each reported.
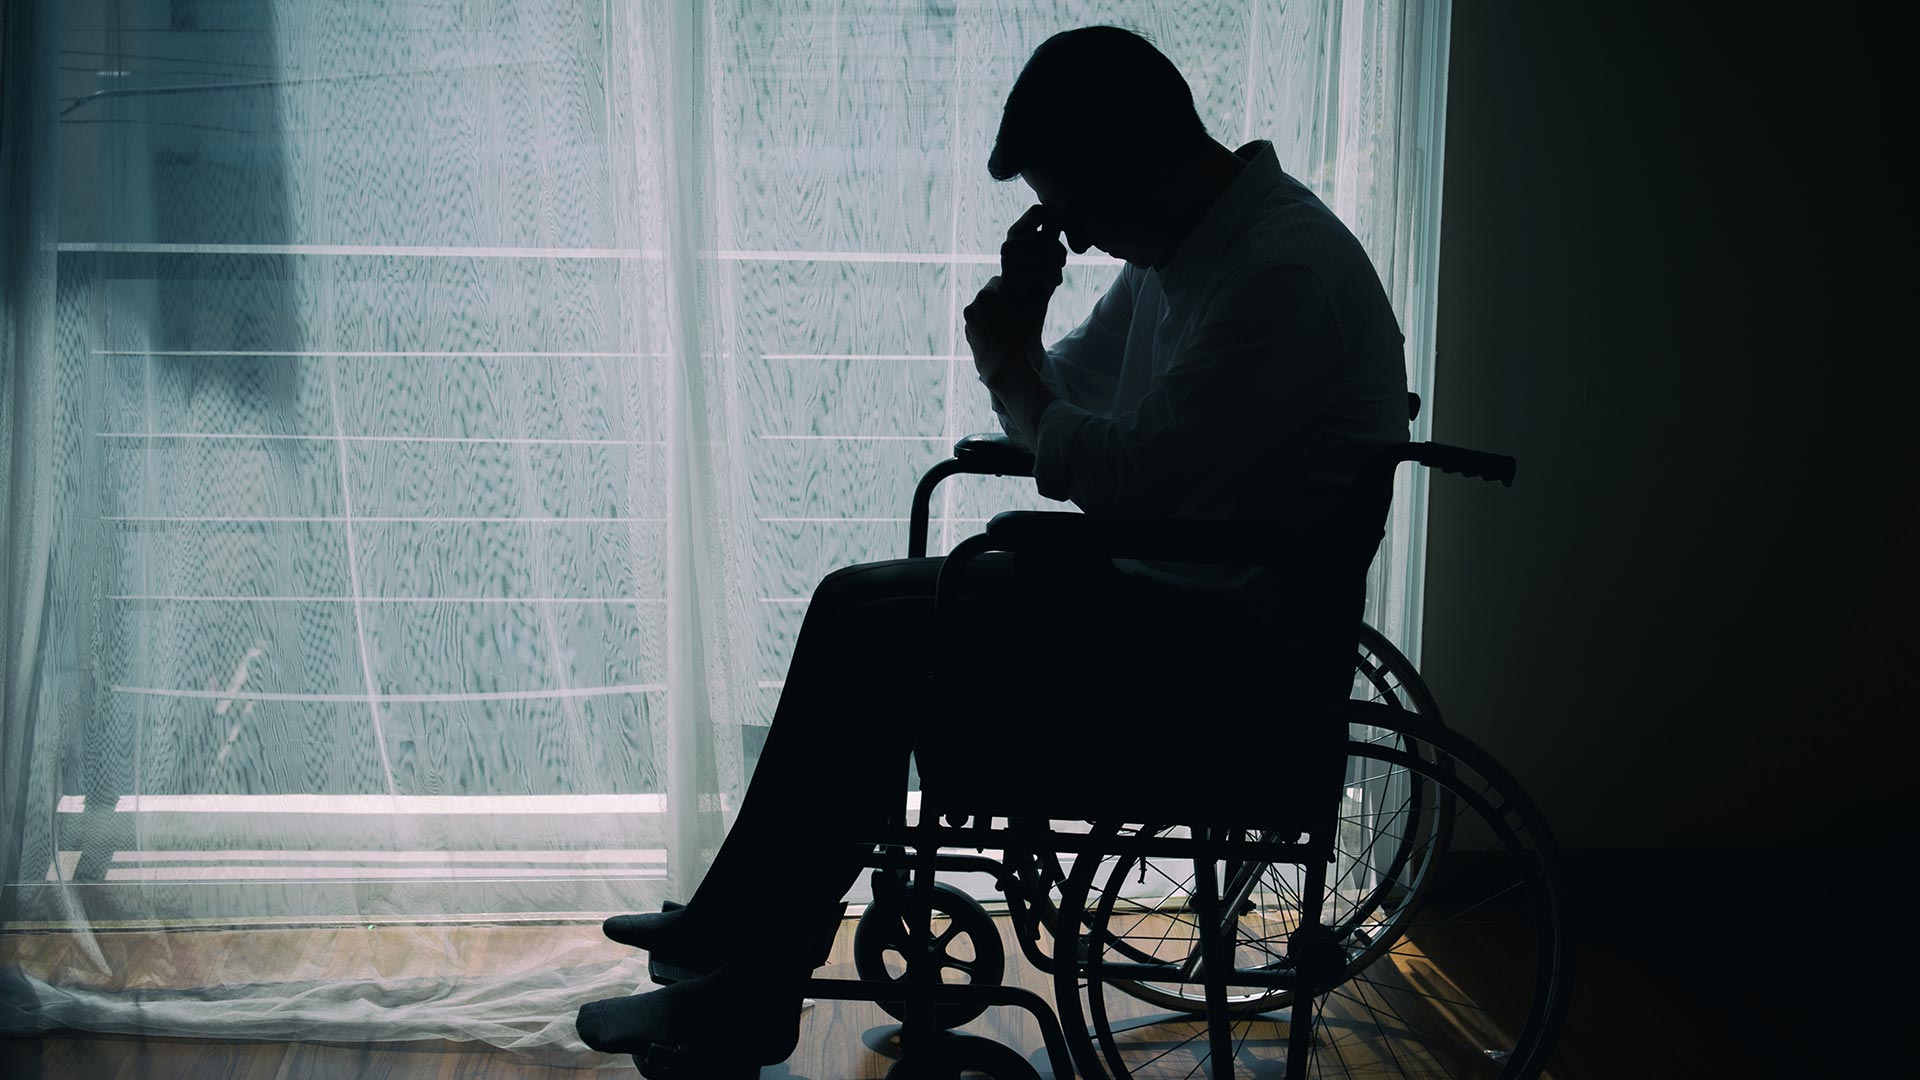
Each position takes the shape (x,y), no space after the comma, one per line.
(1748,988)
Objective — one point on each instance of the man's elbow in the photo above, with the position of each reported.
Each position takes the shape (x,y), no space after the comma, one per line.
(1012,431)
(1135,483)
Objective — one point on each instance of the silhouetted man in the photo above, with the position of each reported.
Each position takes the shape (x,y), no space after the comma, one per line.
(1241,366)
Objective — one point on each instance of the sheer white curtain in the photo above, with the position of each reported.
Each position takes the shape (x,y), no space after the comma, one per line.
(425,424)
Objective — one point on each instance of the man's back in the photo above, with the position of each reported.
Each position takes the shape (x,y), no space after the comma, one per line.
(1246,379)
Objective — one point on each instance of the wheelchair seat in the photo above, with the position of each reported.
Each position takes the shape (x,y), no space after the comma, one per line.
(1302,758)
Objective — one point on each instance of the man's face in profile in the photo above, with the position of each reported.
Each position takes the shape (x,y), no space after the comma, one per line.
(1097,216)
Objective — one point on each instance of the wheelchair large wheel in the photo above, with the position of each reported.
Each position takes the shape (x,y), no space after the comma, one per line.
(1368,888)
(1424,1003)
(1393,826)
(1381,675)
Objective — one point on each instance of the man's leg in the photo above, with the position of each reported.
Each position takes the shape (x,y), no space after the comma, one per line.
(833,767)
(835,760)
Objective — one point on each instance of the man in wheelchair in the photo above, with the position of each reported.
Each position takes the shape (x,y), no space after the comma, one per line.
(1243,364)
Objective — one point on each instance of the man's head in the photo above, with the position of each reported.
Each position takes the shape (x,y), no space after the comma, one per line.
(1102,126)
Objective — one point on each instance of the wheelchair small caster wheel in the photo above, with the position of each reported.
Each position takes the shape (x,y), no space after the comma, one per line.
(969,944)
(969,1055)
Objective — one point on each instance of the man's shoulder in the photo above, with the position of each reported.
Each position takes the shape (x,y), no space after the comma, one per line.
(1268,279)
(1293,234)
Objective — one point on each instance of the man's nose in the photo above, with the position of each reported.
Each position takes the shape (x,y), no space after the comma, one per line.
(1078,241)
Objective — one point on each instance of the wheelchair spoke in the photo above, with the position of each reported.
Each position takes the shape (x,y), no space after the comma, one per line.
(1165,905)
(1373,778)
(946,937)
(1246,1029)
(1382,693)
(896,935)
(1326,1039)
(1387,1039)
(1360,857)
(1419,930)
(1159,910)
(1176,1046)
(965,967)
(964,938)
(1428,1039)
(1379,1029)
(1437,999)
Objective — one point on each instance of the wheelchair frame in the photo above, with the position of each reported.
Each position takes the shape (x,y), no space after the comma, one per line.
(908,858)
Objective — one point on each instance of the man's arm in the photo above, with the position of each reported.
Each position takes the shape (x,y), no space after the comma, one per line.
(1003,330)
(1020,397)
(1004,356)
(1264,362)
(1083,367)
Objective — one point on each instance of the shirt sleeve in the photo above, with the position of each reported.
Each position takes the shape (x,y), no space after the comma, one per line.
(1084,367)
(1263,361)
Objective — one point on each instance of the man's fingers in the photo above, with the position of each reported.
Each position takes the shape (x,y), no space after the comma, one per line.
(1031,267)
(1036,249)
(1037,219)
(1033,254)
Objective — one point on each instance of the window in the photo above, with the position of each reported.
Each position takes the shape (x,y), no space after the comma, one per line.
(447,378)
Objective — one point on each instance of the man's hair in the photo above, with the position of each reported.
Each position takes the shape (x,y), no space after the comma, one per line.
(1099,93)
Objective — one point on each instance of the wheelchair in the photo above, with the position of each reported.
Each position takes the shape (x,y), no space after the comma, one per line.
(1311,924)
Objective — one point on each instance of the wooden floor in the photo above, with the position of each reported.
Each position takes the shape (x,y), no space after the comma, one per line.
(1738,1009)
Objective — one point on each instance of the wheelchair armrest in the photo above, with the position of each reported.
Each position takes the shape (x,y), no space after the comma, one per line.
(1192,540)
(981,455)
(992,453)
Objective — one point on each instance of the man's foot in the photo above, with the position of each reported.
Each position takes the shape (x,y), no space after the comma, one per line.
(734,1018)
(678,946)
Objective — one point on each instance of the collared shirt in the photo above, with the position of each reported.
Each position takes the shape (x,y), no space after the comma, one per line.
(1245,380)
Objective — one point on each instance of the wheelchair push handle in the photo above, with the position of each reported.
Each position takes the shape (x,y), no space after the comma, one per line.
(1455,459)
(1458,459)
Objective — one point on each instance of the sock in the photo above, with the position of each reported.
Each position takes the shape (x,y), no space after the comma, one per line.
(736,1013)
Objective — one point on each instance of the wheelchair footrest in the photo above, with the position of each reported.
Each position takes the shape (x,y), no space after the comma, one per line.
(665,974)
(675,1063)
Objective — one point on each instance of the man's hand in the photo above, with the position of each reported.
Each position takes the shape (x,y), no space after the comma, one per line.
(1030,264)
(997,333)
(1003,322)
(1007,314)
(1005,366)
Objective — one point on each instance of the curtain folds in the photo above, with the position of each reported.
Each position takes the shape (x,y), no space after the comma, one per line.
(27,220)
(424,426)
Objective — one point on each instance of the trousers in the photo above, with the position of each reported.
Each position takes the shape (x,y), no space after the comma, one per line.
(1043,635)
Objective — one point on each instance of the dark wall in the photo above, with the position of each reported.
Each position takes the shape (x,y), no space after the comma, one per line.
(1666,288)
